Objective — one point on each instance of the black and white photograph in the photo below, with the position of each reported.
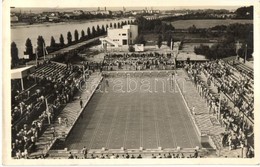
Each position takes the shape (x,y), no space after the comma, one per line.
(165,82)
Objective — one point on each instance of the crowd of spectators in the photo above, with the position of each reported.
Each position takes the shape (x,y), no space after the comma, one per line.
(239,130)
(137,62)
(56,85)
(135,156)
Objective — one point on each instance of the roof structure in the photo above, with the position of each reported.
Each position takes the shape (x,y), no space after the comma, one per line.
(20,73)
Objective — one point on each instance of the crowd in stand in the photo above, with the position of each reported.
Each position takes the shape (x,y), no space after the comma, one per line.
(30,115)
(135,156)
(238,129)
(137,62)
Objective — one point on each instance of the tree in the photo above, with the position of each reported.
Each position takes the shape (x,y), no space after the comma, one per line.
(241,52)
(94,33)
(69,37)
(159,41)
(103,30)
(88,32)
(29,48)
(76,35)
(61,40)
(82,34)
(14,54)
(98,30)
(245,12)
(53,43)
(140,40)
(40,46)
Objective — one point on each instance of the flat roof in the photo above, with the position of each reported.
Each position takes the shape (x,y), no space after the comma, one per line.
(20,69)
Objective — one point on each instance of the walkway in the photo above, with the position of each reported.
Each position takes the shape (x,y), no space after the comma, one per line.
(206,122)
(72,112)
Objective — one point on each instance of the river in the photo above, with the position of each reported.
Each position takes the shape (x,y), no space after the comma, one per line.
(19,34)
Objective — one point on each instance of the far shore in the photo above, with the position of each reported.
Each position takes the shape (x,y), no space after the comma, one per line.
(22,25)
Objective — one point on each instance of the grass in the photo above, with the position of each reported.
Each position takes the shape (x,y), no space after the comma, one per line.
(184,24)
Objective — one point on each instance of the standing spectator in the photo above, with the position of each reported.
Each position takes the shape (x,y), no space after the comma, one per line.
(84,152)
(53,131)
(81,103)
(193,110)
(70,156)
(59,119)
(66,121)
(196,154)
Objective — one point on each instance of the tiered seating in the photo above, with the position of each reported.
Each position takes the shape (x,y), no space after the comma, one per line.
(52,71)
(244,69)
(30,116)
(239,129)
(237,86)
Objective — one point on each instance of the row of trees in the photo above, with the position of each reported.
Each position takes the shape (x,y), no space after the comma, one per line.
(245,12)
(156,25)
(216,51)
(89,34)
(168,38)
(230,34)
(240,13)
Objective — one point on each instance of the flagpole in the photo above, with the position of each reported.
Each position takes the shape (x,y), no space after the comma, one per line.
(47,111)
(36,55)
(245,54)
(43,50)
(21,108)
(219,106)
(84,72)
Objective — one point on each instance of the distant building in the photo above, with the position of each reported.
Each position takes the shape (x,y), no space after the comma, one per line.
(14,18)
(117,13)
(78,12)
(120,37)
(53,19)
(104,12)
(68,14)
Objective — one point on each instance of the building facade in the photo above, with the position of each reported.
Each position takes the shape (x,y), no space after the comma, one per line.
(120,37)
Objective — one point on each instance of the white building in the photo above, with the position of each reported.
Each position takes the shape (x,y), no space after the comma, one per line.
(120,37)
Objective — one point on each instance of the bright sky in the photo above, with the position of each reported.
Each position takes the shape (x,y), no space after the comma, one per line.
(126,3)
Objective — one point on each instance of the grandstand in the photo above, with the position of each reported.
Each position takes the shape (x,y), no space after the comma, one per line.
(202,115)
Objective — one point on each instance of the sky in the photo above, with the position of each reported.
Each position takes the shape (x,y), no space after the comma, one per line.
(127,3)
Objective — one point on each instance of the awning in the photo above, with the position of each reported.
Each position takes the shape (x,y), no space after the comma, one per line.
(19,73)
